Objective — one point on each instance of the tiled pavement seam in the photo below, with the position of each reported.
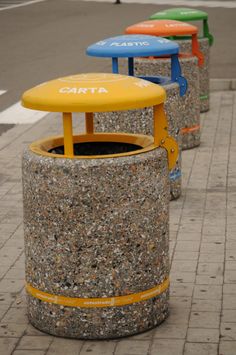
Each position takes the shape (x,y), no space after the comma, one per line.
(202,250)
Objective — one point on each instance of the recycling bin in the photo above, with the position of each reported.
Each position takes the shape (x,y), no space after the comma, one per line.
(205,41)
(96,212)
(190,68)
(141,121)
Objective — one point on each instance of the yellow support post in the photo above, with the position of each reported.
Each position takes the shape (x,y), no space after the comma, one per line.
(160,124)
(89,122)
(161,137)
(68,134)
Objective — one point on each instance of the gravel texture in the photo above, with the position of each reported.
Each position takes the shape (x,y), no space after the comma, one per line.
(141,121)
(204,71)
(189,103)
(96,228)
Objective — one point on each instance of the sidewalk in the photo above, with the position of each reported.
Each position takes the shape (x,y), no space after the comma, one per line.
(202,250)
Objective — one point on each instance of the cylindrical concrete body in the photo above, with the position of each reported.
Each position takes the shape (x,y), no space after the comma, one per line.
(96,228)
(189,103)
(141,121)
(204,71)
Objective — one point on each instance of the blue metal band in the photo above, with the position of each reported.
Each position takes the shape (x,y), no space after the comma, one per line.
(175,174)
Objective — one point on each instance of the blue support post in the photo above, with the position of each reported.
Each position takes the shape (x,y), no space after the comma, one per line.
(131,66)
(115,65)
(176,74)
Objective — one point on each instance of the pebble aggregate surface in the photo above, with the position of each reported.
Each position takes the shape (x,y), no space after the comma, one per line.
(190,102)
(141,121)
(96,228)
(204,70)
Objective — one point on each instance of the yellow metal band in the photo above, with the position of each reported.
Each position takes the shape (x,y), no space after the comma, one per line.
(98,302)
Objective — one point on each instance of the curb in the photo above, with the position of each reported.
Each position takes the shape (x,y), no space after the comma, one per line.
(222,84)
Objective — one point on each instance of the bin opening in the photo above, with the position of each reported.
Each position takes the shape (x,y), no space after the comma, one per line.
(97,145)
(98,148)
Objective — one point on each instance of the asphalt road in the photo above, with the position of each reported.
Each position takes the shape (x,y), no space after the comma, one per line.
(48,39)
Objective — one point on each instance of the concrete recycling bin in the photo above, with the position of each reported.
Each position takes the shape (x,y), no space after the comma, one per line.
(190,68)
(141,121)
(205,40)
(96,212)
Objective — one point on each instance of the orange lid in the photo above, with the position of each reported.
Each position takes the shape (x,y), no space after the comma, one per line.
(163,28)
(168,28)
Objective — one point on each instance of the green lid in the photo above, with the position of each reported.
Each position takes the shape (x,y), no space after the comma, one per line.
(180,14)
(185,14)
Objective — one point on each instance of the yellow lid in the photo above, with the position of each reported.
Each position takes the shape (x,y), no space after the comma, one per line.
(94,92)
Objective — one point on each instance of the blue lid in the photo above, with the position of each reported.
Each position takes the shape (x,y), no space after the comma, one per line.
(133,46)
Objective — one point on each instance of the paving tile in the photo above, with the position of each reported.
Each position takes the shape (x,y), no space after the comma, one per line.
(229,301)
(200,349)
(34,342)
(3,270)
(3,310)
(230,265)
(16,315)
(182,277)
(30,330)
(230,276)
(228,316)
(230,245)
(11,285)
(125,348)
(214,229)
(194,228)
(185,255)
(209,280)
(213,269)
(7,345)
(170,347)
(212,248)
(187,246)
(180,302)
(20,300)
(29,352)
(7,297)
(213,292)
(184,266)
(188,236)
(148,335)
(15,274)
(73,347)
(213,238)
(204,319)
(229,289)
(231,255)
(206,305)
(181,289)
(228,331)
(211,257)
(227,348)
(170,331)
(12,330)
(178,315)
(203,335)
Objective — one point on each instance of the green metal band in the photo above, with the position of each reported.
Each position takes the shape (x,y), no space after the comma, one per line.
(204,97)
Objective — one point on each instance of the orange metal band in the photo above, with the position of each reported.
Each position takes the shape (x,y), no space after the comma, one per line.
(190,129)
(98,302)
